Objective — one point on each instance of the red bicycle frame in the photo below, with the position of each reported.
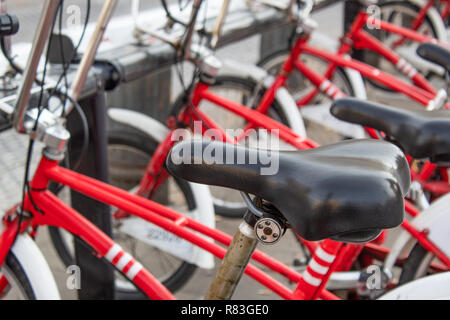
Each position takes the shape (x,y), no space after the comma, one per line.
(445,11)
(256,118)
(422,92)
(329,256)
(201,93)
(47,210)
(420,18)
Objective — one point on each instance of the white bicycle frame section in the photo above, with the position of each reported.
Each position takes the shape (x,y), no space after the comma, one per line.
(150,233)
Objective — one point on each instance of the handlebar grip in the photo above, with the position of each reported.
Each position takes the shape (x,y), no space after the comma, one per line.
(9,24)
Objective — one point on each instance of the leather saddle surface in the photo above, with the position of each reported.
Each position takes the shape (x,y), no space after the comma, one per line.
(347,191)
(421,133)
(436,54)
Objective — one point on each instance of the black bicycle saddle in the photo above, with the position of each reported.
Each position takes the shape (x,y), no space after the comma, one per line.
(347,191)
(421,133)
(435,53)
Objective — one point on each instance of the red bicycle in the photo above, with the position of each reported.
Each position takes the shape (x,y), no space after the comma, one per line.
(188,110)
(423,16)
(289,67)
(23,265)
(27,270)
(420,16)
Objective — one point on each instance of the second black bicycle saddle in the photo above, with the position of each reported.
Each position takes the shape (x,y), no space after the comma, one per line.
(436,54)
(347,191)
(421,133)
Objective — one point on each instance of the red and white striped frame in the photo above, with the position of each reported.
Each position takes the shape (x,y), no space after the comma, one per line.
(331,90)
(123,261)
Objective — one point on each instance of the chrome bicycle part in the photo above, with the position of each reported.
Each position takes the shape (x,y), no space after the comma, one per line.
(40,39)
(89,55)
(233,265)
(417,194)
(204,58)
(219,23)
(268,230)
(439,101)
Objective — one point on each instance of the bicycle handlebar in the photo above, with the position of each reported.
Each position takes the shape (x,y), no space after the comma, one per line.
(40,39)
(304,10)
(186,41)
(307,8)
(219,23)
(9,25)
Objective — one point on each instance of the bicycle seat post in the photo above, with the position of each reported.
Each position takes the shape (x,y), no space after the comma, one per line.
(263,225)
(233,264)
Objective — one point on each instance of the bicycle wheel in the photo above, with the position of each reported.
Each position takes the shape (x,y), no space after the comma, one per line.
(402,14)
(227,202)
(322,127)
(19,286)
(417,265)
(128,155)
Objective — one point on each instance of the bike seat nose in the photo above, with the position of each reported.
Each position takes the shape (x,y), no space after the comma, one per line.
(436,54)
(347,191)
(421,133)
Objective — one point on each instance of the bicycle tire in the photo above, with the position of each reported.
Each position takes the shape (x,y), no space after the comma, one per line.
(416,265)
(20,278)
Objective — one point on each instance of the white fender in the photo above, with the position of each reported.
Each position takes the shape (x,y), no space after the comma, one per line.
(147,125)
(150,233)
(409,53)
(290,109)
(36,268)
(436,218)
(435,287)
